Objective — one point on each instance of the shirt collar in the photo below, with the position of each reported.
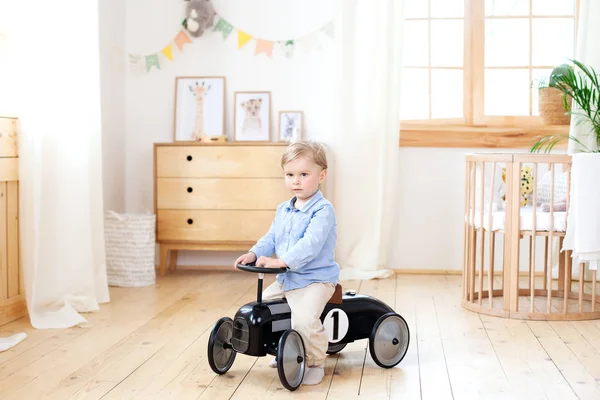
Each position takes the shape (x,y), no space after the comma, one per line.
(316,197)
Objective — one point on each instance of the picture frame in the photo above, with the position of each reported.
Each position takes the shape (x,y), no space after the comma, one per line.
(291,124)
(199,118)
(252,116)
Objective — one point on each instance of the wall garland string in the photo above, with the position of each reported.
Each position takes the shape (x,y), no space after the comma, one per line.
(145,62)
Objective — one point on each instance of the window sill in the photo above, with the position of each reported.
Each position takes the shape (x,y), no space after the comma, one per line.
(456,136)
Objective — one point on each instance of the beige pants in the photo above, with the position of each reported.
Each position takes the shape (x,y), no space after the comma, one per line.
(307,304)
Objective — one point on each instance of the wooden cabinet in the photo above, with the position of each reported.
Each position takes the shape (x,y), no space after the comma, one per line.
(214,196)
(12,298)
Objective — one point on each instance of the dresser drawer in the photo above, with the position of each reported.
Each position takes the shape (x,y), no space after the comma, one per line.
(9,169)
(220,194)
(214,161)
(213,225)
(8,137)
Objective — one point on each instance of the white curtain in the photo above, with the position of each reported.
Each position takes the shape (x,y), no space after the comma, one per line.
(587,52)
(55,51)
(368,45)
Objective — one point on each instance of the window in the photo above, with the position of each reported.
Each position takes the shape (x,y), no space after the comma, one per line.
(471,69)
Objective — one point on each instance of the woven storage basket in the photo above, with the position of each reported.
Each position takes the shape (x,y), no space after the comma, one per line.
(130,249)
(551,107)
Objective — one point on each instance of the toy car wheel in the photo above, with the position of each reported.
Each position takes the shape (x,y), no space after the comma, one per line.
(335,347)
(389,340)
(220,352)
(291,358)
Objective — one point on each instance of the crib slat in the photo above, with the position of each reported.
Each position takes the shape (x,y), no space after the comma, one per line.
(594,290)
(514,236)
(566,286)
(550,238)
(581,288)
(482,242)
(473,234)
(491,241)
(532,242)
(568,263)
(465,233)
(545,261)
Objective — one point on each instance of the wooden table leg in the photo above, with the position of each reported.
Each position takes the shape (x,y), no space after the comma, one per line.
(164,254)
(173,261)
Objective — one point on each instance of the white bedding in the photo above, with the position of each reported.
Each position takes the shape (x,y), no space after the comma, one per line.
(542,222)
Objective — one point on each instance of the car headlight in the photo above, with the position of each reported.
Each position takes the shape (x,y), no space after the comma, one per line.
(241,335)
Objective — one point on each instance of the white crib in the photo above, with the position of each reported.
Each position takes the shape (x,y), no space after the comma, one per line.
(513,263)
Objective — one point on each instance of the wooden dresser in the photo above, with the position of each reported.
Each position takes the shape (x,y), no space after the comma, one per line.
(12,297)
(214,196)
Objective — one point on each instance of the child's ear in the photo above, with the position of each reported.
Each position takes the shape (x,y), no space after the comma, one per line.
(323,175)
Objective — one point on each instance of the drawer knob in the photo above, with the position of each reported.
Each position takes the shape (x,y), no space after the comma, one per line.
(190,190)
(190,221)
(189,158)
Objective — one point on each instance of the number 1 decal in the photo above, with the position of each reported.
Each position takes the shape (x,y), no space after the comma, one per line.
(336,325)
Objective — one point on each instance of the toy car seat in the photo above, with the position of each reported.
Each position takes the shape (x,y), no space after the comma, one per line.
(336,298)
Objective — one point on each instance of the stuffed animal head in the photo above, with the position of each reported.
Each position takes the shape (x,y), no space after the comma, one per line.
(252,107)
(527,185)
(199,15)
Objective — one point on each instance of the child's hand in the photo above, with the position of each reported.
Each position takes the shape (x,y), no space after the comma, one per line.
(269,262)
(247,258)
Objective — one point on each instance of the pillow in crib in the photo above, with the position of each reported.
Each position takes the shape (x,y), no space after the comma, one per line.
(560,188)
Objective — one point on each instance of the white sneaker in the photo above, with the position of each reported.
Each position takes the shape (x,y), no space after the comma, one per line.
(273,363)
(313,376)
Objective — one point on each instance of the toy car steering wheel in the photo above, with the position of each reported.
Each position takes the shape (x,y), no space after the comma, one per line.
(260,270)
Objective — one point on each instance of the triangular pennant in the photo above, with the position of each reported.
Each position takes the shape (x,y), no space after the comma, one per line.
(182,39)
(287,47)
(243,38)
(136,63)
(223,26)
(329,29)
(152,61)
(168,52)
(264,46)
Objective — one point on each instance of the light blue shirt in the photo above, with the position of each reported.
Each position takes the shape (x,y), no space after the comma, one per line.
(304,238)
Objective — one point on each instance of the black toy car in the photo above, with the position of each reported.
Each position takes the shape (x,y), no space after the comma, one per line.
(264,327)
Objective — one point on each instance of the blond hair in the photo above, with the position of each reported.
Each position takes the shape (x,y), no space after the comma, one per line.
(313,150)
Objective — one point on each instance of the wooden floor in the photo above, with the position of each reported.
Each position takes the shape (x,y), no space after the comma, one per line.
(150,343)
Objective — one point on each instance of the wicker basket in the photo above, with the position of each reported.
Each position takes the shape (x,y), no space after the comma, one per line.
(130,249)
(551,107)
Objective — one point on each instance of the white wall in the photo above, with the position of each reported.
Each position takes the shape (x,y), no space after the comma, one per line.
(112,92)
(432,180)
(301,83)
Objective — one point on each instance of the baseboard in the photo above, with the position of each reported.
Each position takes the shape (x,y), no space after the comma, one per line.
(402,271)
(399,271)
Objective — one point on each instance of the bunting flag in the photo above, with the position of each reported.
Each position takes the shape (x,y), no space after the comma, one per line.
(264,46)
(243,38)
(152,61)
(167,51)
(314,40)
(181,39)
(225,27)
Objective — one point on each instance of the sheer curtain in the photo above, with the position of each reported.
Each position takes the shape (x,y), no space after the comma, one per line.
(56,58)
(368,45)
(588,32)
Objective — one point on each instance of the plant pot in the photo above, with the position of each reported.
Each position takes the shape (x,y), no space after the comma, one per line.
(551,107)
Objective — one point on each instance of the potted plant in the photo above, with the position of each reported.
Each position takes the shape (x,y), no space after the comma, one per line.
(551,104)
(583,88)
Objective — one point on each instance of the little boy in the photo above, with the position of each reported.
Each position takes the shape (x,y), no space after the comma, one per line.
(303,236)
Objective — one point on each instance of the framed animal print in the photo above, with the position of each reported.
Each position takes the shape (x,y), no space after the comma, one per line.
(252,116)
(199,107)
(290,126)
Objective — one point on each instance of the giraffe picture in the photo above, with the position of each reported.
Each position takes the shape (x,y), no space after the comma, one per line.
(199,108)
